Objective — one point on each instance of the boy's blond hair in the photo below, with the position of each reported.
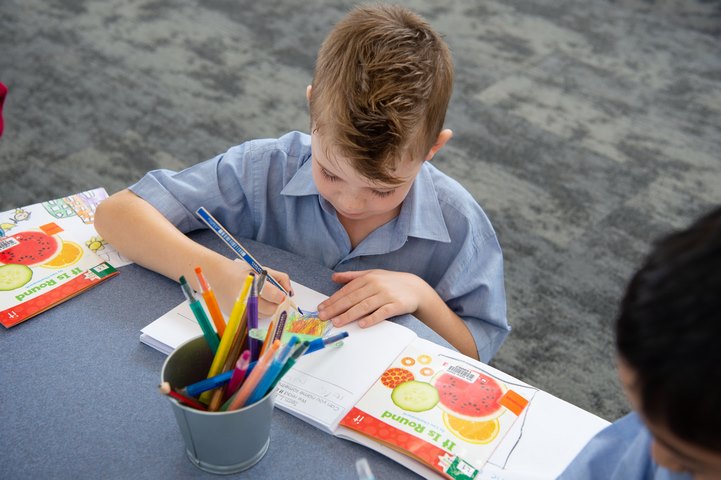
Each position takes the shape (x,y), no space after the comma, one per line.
(382,83)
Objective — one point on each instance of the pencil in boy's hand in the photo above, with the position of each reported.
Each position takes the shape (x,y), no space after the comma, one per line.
(234,245)
(166,389)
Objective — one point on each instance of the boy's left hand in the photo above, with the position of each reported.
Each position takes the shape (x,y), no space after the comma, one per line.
(371,296)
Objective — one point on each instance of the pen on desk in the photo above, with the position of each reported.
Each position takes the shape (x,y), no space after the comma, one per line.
(302,348)
(210,336)
(272,372)
(319,343)
(239,372)
(211,302)
(166,389)
(363,469)
(239,400)
(234,245)
(232,329)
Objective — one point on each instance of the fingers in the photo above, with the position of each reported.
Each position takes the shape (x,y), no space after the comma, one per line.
(280,277)
(345,277)
(342,300)
(266,308)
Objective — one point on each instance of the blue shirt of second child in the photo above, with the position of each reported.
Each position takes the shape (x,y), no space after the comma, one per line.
(621,451)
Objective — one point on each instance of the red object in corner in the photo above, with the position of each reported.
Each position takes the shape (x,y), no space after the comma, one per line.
(3,93)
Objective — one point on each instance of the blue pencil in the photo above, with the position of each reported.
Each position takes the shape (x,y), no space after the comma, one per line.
(319,343)
(210,383)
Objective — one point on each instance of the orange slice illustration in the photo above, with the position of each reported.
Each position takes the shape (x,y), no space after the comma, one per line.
(472,432)
(70,254)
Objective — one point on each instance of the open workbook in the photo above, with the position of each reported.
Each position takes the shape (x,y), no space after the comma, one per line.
(428,407)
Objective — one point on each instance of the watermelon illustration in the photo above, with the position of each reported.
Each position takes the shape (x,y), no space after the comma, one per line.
(31,248)
(393,377)
(474,401)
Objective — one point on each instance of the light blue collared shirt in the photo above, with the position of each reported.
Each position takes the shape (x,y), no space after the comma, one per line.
(264,190)
(621,451)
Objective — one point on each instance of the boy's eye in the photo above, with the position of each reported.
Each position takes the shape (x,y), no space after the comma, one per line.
(381,194)
(329,176)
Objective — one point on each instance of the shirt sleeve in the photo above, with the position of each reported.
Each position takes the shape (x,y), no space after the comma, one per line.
(218,184)
(473,287)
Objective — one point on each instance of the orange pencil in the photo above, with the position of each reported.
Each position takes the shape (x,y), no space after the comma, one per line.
(252,381)
(268,336)
(211,302)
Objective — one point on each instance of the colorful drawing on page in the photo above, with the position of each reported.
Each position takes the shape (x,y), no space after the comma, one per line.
(307,323)
(82,205)
(19,215)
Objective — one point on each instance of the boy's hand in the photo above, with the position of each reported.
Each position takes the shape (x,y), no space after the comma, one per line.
(228,283)
(371,296)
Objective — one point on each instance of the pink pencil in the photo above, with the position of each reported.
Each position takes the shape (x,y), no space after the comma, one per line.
(249,385)
(241,368)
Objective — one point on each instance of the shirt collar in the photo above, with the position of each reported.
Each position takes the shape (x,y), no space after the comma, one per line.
(421,213)
(301,183)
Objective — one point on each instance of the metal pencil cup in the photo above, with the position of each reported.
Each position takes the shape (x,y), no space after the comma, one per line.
(217,442)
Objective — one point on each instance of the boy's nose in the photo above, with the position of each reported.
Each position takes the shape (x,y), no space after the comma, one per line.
(351,203)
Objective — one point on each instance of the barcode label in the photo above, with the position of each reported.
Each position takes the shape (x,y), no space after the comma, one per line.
(7,242)
(463,373)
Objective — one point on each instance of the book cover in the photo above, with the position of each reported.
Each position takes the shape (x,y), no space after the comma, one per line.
(439,408)
(50,252)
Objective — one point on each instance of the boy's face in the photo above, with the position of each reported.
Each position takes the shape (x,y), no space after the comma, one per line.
(667,449)
(356,199)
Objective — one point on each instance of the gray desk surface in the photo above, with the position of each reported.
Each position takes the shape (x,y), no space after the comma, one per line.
(79,397)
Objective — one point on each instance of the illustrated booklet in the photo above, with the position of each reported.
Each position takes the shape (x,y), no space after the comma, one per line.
(429,408)
(50,252)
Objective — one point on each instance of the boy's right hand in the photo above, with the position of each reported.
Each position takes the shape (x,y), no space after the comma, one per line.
(227,280)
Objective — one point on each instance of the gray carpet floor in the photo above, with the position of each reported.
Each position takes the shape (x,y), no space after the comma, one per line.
(585,129)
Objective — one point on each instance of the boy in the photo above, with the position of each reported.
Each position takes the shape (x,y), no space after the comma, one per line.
(667,336)
(402,237)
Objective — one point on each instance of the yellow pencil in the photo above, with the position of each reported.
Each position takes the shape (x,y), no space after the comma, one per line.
(227,340)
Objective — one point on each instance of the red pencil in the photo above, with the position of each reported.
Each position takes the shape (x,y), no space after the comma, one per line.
(166,389)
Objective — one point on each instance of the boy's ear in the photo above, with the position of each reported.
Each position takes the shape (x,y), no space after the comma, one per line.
(307,92)
(443,138)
